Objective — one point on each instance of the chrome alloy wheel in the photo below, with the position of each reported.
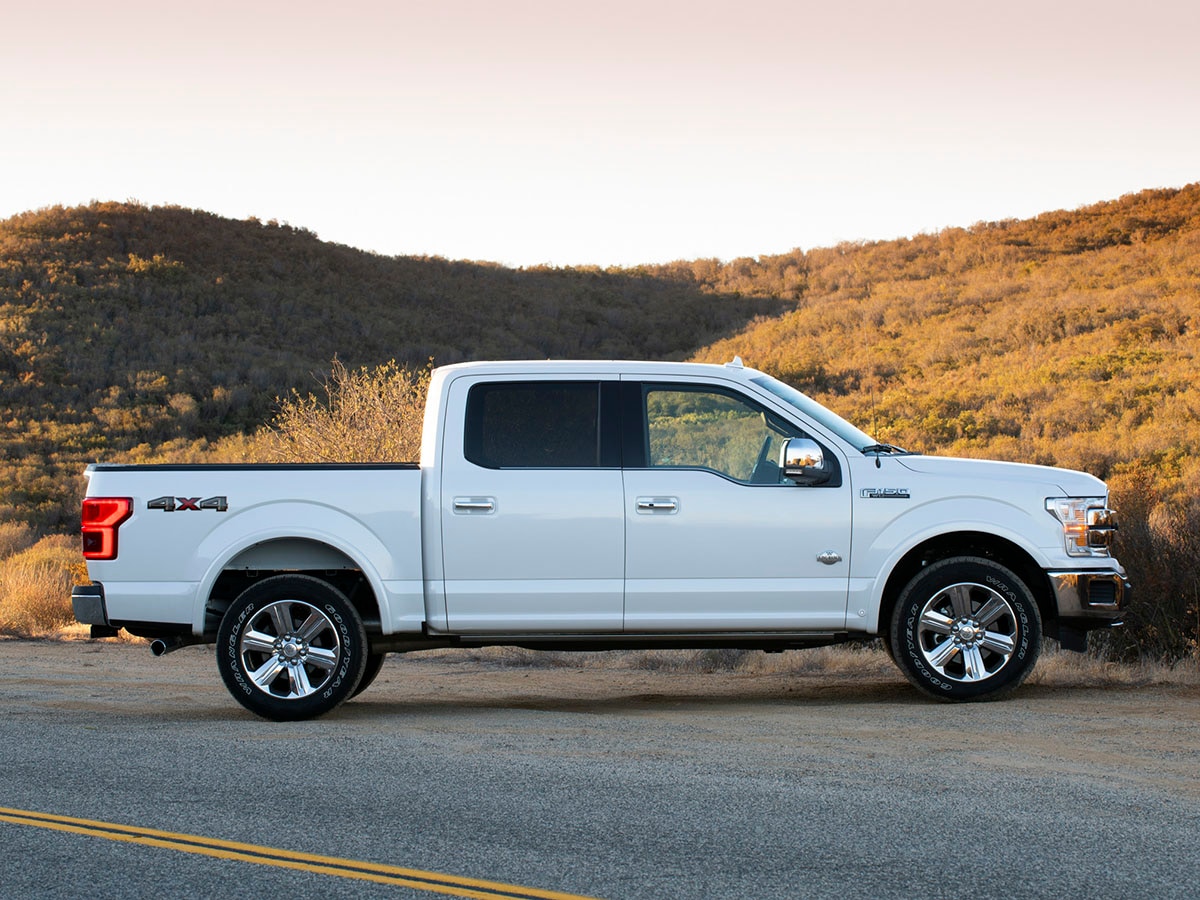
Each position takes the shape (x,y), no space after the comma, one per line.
(967,632)
(290,649)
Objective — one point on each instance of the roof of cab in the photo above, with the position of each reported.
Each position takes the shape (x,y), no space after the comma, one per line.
(734,369)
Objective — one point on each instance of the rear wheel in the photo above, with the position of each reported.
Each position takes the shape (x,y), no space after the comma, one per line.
(291,647)
(966,628)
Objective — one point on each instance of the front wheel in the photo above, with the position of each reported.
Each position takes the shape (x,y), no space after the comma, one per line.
(966,628)
(291,647)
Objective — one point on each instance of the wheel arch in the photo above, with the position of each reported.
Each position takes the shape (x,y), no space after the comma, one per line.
(970,543)
(312,556)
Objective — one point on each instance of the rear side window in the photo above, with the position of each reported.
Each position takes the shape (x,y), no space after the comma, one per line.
(534,425)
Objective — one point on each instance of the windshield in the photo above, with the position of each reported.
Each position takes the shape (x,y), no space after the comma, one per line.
(815,411)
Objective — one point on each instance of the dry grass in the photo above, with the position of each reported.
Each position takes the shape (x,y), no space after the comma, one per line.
(1056,667)
(1062,668)
(15,537)
(35,587)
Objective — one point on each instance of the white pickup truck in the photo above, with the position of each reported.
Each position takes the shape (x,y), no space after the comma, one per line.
(602,505)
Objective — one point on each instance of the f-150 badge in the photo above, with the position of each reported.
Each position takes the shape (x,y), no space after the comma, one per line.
(884,493)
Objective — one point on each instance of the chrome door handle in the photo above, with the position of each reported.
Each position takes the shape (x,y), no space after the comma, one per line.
(474,504)
(657,504)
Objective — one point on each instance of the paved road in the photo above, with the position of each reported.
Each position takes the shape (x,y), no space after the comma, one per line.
(597,782)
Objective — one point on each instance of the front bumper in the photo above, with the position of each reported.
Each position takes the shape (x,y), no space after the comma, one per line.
(1092,598)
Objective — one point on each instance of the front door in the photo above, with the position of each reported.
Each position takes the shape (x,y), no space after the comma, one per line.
(716,539)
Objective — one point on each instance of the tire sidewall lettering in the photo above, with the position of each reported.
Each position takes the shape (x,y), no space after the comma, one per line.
(1018,605)
(346,655)
(238,671)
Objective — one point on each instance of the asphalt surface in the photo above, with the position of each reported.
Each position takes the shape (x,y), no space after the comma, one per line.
(597,782)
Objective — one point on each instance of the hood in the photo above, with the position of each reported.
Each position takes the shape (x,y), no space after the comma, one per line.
(1067,481)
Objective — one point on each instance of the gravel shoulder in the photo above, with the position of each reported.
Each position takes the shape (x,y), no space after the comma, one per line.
(1137,728)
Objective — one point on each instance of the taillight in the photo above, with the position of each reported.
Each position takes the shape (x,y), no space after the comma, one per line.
(102,516)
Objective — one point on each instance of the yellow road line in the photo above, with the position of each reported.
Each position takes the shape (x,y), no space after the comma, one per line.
(434,882)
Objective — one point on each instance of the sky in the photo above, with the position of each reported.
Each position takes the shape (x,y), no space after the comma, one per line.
(615,133)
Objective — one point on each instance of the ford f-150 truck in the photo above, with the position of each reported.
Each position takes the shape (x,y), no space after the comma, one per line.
(602,505)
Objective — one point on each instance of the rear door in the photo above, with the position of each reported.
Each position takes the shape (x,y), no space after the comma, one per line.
(533,530)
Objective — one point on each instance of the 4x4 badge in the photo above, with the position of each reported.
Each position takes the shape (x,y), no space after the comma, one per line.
(195,504)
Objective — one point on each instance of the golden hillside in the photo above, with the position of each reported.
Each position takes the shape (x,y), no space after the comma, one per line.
(1070,339)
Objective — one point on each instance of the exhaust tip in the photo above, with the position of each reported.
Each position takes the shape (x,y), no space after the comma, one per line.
(171,643)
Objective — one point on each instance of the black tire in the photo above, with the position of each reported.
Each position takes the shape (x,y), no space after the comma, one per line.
(374,665)
(966,628)
(291,647)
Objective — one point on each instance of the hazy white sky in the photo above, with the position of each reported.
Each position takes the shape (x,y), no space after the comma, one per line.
(614,133)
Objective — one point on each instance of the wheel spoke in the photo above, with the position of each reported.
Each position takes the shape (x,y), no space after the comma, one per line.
(266,673)
(301,686)
(312,626)
(258,642)
(960,600)
(942,653)
(991,611)
(281,618)
(973,667)
(933,620)
(998,643)
(322,658)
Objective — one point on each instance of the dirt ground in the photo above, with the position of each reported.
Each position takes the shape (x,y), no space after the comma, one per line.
(1074,713)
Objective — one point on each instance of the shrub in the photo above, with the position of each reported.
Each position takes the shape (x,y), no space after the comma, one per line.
(35,586)
(367,415)
(15,537)
(1159,545)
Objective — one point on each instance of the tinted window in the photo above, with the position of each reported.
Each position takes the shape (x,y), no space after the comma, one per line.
(534,425)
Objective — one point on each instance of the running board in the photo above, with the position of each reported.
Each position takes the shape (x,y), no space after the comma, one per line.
(739,640)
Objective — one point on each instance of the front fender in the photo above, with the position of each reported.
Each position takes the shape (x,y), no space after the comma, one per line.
(889,543)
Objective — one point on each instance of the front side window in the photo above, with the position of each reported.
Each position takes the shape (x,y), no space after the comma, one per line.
(534,425)
(708,429)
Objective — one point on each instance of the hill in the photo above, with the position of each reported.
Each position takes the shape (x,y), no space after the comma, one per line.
(1070,339)
(124,326)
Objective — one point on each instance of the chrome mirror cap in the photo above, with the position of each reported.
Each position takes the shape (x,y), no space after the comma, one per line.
(803,461)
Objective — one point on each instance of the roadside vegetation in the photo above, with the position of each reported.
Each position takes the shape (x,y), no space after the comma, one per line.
(1056,667)
(159,334)
(365,415)
(35,582)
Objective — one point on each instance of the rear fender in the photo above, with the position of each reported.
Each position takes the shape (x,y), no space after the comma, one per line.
(256,536)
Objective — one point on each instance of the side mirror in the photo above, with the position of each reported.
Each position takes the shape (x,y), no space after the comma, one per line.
(804,462)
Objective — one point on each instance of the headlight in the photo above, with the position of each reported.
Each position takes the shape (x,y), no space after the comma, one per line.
(1088,524)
